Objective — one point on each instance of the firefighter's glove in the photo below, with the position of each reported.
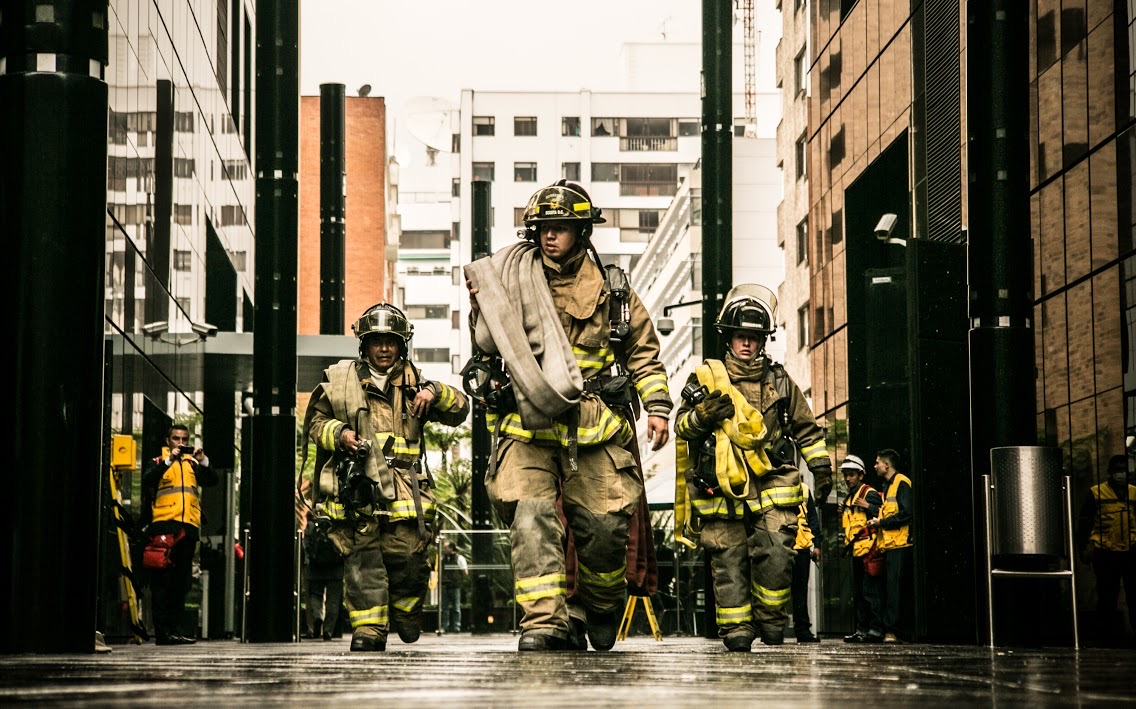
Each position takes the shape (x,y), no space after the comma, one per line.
(822,479)
(714,408)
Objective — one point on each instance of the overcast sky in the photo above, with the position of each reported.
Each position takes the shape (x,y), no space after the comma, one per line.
(406,48)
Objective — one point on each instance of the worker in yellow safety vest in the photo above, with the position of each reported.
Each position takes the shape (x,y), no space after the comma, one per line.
(1107,536)
(172,482)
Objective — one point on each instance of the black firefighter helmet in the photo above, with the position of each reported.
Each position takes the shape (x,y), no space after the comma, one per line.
(384,318)
(560,201)
(748,307)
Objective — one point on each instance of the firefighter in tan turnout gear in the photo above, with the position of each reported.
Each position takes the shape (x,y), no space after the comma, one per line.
(366,419)
(581,353)
(741,424)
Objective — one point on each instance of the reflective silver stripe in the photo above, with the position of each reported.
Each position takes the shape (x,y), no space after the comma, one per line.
(407,604)
(771,598)
(165,492)
(735,615)
(536,587)
(371,616)
(603,579)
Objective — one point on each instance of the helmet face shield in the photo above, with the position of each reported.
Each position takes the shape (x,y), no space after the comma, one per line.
(748,307)
(383,319)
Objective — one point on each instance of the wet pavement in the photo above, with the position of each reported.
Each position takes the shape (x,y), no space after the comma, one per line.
(465,670)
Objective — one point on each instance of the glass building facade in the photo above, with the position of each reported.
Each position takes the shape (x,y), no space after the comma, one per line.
(179,231)
(180,246)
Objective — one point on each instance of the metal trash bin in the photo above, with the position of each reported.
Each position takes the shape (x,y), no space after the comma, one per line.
(1027,502)
(1028,510)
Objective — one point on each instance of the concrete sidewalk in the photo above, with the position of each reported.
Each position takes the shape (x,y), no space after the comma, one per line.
(464,670)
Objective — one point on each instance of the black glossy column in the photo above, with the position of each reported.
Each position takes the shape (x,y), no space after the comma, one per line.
(717,195)
(333,208)
(53,176)
(271,482)
(1000,254)
(481,601)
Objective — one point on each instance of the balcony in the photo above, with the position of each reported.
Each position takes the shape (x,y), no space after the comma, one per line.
(648,143)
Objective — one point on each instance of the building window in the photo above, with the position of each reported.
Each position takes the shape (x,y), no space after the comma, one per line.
(605,172)
(570,171)
(456,187)
(648,134)
(603,126)
(183,214)
(484,125)
(648,179)
(524,172)
(802,156)
(428,312)
(803,242)
(570,125)
(455,320)
(456,275)
(803,326)
(687,128)
(182,260)
(519,216)
(239,259)
(455,143)
(524,125)
(800,73)
(425,240)
(483,171)
(696,337)
(431,354)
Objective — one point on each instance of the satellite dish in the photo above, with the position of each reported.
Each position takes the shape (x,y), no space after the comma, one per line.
(428,118)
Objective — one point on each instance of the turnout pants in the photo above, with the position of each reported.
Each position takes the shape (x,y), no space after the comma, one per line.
(598,500)
(385,573)
(752,564)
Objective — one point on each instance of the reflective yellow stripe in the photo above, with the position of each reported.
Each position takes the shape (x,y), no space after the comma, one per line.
(398,447)
(683,428)
(371,616)
(334,509)
(609,426)
(327,435)
(736,615)
(404,509)
(446,397)
(547,586)
(407,604)
(650,384)
(787,496)
(710,506)
(588,358)
(769,597)
(815,451)
(604,579)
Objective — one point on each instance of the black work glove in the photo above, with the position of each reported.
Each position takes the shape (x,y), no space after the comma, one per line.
(714,408)
(822,479)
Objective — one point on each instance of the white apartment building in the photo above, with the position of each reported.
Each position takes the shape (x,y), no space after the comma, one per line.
(428,270)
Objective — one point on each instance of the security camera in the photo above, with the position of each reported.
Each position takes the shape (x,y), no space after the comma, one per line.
(885,227)
(665,326)
(153,329)
(204,329)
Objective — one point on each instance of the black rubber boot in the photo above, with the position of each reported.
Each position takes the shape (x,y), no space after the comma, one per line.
(539,642)
(602,629)
(367,643)
(738,642)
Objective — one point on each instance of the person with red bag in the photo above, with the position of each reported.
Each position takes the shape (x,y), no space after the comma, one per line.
(172,482)
(862,503)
